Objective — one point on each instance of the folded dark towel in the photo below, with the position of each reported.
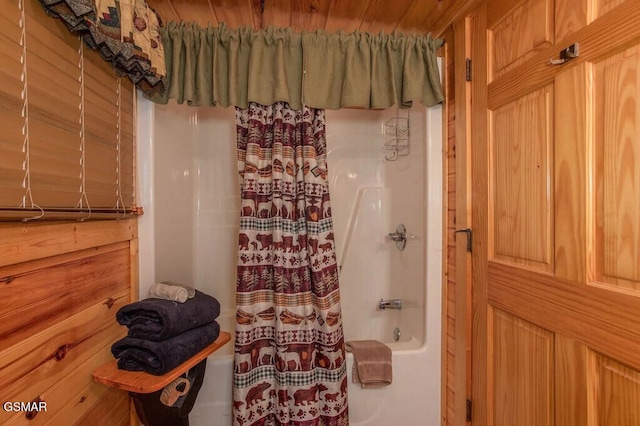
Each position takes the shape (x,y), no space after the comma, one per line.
(158,358)
(158,319)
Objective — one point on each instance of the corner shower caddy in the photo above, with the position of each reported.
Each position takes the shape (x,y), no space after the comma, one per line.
(398,145)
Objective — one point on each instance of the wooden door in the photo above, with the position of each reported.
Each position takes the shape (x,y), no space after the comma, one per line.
(556,213)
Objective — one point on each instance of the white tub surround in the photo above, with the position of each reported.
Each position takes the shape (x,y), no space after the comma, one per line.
(189,233)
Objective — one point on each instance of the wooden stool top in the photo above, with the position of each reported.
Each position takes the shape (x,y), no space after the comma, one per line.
(141,382)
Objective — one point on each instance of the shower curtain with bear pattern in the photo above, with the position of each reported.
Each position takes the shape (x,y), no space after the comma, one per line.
(289,350)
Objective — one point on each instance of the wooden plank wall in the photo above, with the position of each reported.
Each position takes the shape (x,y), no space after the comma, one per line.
(450,272)
(61,285)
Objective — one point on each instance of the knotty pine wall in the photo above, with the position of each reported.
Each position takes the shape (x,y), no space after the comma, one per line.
(60,286)
(449,323)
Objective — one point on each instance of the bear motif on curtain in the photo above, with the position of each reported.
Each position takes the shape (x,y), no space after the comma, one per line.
(289,352)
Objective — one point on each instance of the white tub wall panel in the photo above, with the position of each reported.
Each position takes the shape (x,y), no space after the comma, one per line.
(406,176)
(357,158)
(364,278)
(144,193)
(434,257)
(217,208)
(361,215)
(175,197)
(353,141)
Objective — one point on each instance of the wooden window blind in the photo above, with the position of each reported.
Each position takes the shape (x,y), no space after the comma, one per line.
(66,123)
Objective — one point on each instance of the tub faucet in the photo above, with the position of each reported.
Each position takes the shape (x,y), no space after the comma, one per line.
(390,304)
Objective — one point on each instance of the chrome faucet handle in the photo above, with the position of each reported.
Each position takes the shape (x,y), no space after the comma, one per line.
(399,237)
(390,304)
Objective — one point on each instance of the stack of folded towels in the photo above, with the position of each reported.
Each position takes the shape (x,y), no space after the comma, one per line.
(167,329)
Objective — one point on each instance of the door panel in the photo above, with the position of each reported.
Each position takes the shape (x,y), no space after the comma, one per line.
(604,6)
(571,153)
(520,134)
(617,169)
(556,214)
(523,364)
(519,33)
(617,401)
(570,381)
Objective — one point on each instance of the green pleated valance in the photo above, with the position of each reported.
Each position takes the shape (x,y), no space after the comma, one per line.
(219,66)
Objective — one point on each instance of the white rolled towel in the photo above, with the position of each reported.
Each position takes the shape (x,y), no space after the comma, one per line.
(190,290)
(172,292)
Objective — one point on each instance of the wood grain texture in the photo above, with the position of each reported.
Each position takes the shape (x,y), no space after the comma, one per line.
(588,313)
(462,266)
(194,11)
(11,119)
(346,15)
(600,319)
(140,382)
(573,151)
(113,400)
(71,396)
(618,393)
(308,15)
(526,29)
(408,16)
(608,35)
(63,283)
(570,386)
(47,296)
(617,170)
(28,369)
(571,16)
(448,316)
(604,6)
(523,366)
(522,167)
(34,241)
(383,15)
(480,213)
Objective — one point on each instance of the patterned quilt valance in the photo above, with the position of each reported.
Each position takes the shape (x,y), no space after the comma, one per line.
(125,32)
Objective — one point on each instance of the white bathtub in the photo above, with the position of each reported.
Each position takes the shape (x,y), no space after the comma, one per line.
(189,191)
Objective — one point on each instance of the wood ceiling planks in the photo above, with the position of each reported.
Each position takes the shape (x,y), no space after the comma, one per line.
(420,16)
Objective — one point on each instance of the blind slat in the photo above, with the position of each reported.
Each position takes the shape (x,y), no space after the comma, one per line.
(10,83)
(40,25)
(107,100)
(47,195)
(47,135)
(44,79)
(99,69)
(11,50)
(11,104)
(127,126)
(68,65)
(10,196)
(103,162)
(105,133)
(107,117)
(10,24)
(69,168)
(99,135)
(11,11)
(64,117)
(99,200)
(11,123)
(55,107)
(12,157)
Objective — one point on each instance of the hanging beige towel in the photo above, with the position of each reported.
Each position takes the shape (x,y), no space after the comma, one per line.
(371,363)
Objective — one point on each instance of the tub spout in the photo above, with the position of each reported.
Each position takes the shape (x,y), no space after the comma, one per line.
(390,304)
